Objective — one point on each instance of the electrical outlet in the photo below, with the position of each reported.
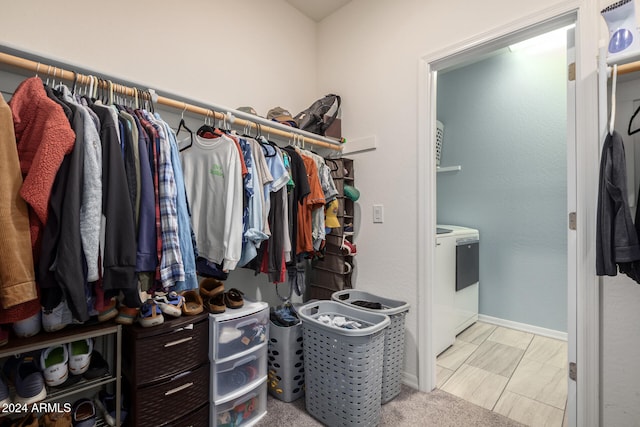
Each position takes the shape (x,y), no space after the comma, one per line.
(378,214)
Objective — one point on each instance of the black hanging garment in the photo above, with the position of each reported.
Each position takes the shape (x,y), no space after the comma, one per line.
(617,236)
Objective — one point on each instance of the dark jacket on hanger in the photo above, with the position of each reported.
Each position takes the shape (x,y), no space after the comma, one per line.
(616,238)
(62,249)
(147,258)
(119,259)
(129,162)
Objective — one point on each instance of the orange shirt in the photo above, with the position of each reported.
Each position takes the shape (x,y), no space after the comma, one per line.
(314,200)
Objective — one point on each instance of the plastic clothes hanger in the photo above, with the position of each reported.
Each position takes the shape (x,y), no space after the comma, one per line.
(269,150)
(183,125)
(264,144)
(110,92)
(629,131)
(334,164)
(150,105)
(75,82)
(48,74)
(207,130)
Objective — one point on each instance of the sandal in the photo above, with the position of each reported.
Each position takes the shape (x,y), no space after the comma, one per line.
(170,303)
(233,298)
(210,287)
(192,303)
(150,314)
(216,305)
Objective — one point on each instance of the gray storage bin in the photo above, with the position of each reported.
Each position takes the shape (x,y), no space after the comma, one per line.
(286,362)
(343,367)
(393,362)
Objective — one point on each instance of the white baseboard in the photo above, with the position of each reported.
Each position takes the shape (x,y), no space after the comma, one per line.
(410,380)
(550,333)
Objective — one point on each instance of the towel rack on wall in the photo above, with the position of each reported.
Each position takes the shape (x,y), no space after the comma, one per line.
(231,116)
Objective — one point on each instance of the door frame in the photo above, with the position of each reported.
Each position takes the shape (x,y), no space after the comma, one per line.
(583,406)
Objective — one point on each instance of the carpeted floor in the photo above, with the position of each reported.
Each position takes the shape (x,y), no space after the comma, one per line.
(410,408)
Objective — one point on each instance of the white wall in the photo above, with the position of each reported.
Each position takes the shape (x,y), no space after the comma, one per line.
(229,53)
(368,52)
(232,53)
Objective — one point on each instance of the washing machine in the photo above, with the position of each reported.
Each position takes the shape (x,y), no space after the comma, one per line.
(457,283)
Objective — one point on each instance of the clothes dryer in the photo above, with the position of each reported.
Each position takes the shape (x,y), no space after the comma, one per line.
(456,288)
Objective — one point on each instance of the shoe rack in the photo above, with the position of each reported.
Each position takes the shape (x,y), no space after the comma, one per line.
(238,354)
(333,272)
(107,339)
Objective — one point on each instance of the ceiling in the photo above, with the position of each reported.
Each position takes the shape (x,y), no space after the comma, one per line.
(317,9)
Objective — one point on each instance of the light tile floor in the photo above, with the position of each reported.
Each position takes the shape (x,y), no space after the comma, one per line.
(517,374)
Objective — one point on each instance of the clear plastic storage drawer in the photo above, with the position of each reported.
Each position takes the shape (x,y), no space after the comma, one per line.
(244,371)
(246,409)
(237,331)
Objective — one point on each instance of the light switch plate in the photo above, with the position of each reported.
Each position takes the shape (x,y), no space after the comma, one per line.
(378,214)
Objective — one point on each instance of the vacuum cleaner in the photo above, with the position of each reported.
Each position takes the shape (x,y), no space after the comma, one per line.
(624,38)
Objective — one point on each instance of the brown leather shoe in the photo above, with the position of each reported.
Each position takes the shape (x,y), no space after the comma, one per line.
(192,303)
(233,298)
(210,287)
(216,304)
(56,419)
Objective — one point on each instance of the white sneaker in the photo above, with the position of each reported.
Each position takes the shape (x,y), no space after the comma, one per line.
(80,356)
(57,318)
(54,362)
(28,327)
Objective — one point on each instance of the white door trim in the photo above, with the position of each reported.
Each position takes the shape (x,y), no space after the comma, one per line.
(586,408)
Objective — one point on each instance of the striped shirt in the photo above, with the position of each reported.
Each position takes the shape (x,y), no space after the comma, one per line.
(171,266)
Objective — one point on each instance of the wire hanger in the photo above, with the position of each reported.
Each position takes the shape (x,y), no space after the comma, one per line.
(612,119)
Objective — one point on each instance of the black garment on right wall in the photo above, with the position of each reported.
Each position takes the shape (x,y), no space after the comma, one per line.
(617,236)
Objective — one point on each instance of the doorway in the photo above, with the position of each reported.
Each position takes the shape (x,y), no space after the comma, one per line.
(503,171)
(449,60)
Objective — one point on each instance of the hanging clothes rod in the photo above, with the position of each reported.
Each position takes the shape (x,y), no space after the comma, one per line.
(631,67)
(259,124)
